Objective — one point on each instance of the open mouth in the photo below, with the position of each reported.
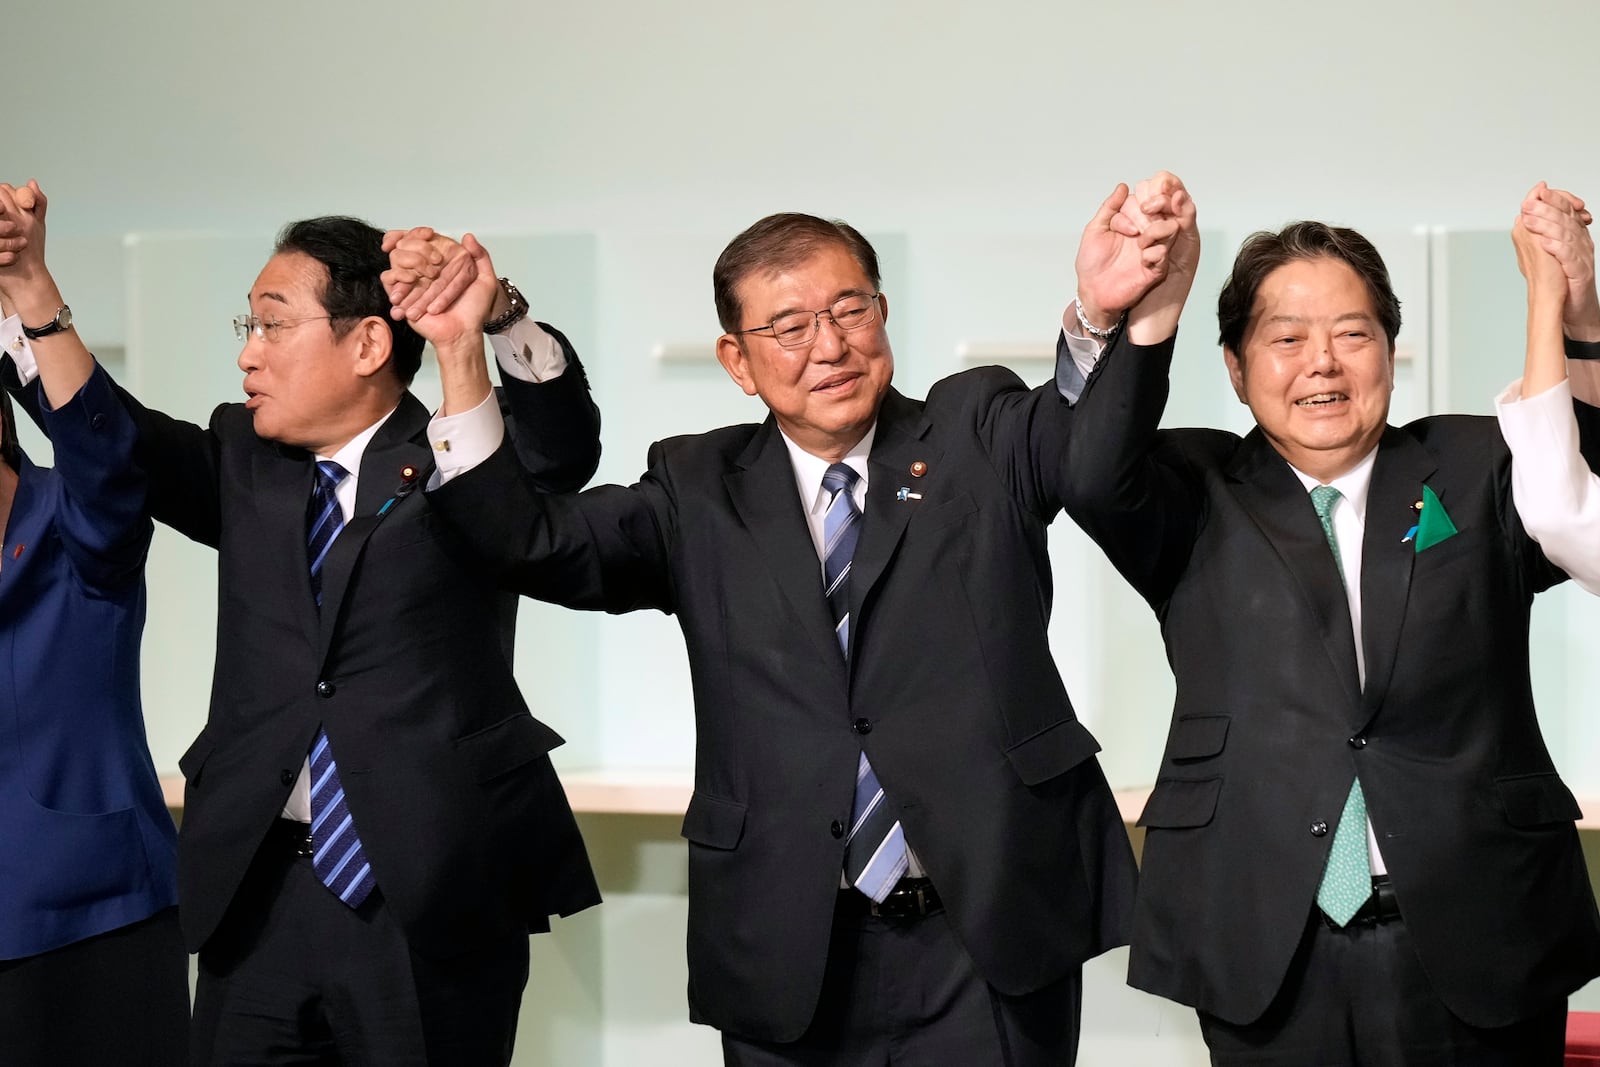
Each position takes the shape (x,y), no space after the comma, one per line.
(1318,400)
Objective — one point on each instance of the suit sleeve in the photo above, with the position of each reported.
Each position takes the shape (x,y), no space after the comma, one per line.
(1127,488)
(605,549)
(555,425)
(102,521)
(178,460)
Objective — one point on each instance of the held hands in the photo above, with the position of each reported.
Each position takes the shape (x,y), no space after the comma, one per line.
(1547,279)
(1558,223)
(22,212)
(1121,257)
(427,272)
(1157,203)
(419,264)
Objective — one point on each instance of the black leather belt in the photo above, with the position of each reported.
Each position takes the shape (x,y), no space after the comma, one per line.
(911,898)
(292,836)
(1381,906)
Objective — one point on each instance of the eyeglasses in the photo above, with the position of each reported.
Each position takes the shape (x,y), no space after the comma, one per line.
(800,327)
(267,329)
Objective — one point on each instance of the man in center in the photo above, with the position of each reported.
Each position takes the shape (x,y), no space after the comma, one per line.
(901,845)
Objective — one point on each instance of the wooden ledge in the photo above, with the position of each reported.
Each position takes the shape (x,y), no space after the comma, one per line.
(665,791)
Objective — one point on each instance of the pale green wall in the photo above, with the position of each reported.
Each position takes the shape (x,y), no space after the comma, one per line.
(606,151)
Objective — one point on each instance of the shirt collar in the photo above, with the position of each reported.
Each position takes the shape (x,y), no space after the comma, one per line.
(809,469)
(1352,484)
(349,457)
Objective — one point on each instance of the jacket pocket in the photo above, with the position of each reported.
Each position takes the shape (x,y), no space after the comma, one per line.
(713,822)
(1197,737)
(192,762)
(507,745)
(1176,803)
(1054,750)
(1537,799)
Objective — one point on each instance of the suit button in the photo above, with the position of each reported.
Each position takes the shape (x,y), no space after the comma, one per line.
(1319,829)
(862,726)
(326,688)
(836,829)
(286,777)
(97,421)
(1358,741)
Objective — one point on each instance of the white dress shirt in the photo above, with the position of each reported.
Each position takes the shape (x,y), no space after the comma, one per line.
(1556,495)
(1349,528)
(814,500)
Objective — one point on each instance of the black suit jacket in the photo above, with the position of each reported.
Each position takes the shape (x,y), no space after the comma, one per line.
(407,666)
(1271,723)
(950,689)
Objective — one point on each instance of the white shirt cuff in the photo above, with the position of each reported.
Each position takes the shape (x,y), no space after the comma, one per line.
(15,343)
(528,353)
(462,441)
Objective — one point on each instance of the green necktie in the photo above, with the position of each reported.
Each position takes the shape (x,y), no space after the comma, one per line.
(1347,879)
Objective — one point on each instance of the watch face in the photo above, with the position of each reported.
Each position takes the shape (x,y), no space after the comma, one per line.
(64,318)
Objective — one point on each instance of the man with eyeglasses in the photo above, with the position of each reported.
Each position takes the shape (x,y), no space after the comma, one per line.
(371,823)
(900,841)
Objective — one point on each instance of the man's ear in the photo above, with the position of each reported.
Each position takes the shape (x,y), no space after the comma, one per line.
(734,360)
(1235,373)
(374,345)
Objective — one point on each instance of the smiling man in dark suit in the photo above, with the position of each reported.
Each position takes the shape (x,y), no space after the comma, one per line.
(371,823)
(1358,849)
(901,845)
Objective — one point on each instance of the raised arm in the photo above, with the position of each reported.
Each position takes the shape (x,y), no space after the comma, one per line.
(1556,495)
(552,419)
(102,519)
(1129,496)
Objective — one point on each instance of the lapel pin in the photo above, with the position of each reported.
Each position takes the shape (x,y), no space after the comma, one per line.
(905,493)
(1417,506)
(16,553)
(408,473)
(918,469)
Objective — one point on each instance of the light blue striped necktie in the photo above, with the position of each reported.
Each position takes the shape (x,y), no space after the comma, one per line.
(337,855)
(875,851)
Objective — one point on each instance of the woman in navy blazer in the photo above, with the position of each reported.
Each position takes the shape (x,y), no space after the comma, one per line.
(92,966)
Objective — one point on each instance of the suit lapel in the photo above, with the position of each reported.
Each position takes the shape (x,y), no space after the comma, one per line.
(1386,561)
(1273,497)
(897,444)
(281,494)
(394,447)
(762,490)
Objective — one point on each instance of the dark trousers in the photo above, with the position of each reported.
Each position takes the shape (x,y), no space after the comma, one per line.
(294,976)
(1359,996)
(120,997)
(904,992)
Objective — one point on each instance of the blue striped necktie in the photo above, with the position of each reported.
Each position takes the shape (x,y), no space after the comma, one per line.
(337,855)
(875,851)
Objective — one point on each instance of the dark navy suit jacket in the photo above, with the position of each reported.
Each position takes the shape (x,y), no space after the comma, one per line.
(86,844)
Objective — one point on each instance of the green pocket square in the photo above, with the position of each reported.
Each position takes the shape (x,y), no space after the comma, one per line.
(1434,524)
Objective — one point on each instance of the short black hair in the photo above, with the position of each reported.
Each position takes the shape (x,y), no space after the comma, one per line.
(10,450)
(779,243)
(352,253)
(1264,252)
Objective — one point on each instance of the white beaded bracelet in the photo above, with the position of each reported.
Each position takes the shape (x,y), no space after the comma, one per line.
(1090,328)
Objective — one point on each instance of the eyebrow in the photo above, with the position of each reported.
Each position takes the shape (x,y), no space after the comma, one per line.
(269,295)
(1300,320)
(852,291)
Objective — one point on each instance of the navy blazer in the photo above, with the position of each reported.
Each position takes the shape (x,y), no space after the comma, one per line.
(87,844)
